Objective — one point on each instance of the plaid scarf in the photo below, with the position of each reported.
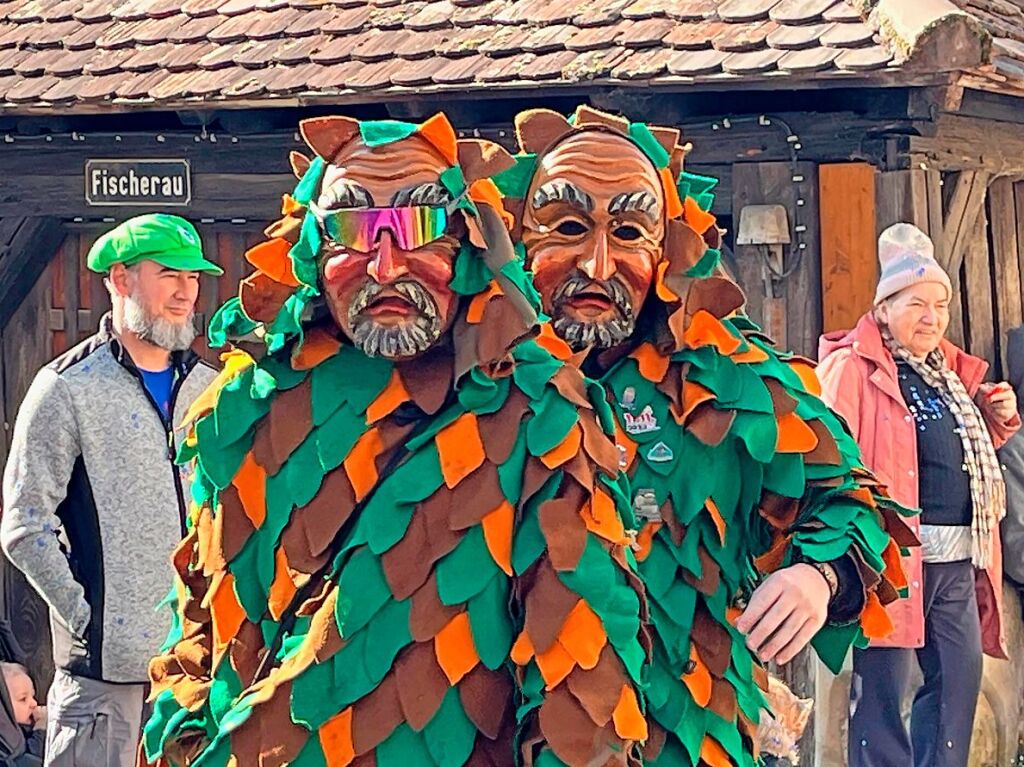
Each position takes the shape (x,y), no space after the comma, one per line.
(988,491)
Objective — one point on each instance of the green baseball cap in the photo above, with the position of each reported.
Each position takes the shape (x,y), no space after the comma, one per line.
(169,240)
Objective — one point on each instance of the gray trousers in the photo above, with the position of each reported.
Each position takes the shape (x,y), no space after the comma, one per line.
(93,723)
(942,716)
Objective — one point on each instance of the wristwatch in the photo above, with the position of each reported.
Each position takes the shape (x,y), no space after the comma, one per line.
(828,572)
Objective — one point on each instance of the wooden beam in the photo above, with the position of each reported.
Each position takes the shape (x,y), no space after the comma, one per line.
(959,143)
(24,255)
(849,263)
(977,291)
(966,204)
(1006,243)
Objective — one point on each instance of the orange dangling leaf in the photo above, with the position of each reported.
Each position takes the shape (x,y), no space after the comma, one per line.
(602,518)
(629,721)
(645,540)
(271,258)
(360,464)
(583,636)
(772,559)
(716,517)
(663,291)
(289,205)
(894,571)
(706,330)
(387,401)
(713,754)
(439,132)
(282,589)
(698,218)
(805,370)
(673,205)
(650,362)
(522,650)
(251,482)
(319,345)
(795,436)
(565,450)
(698,681)
(486,192)
(875,621)
(461,449)
(475,312)
(454,648)
(497,527)
(555,665)
(751,356)
(225,611)
(694,394)
(548,340)
(336,739)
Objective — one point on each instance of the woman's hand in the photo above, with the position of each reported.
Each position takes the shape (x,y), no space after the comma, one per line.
(785,612)
(997,401)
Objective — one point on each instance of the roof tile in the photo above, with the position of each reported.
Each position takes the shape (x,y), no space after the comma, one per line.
(223,55)
(65,90)
(105,62)
(595,38)
(745,10)
(96,10)
(87,35)
(292,79)
(800,11)
(186,55)
(418,73)
(159,30)
(71,63)
(252,54)
(697,36)
(547,38)
(744,37)
(864,59)
(853,35)
(6,83)
(794,38)
(310,22)
(133,10)
(505,40)
(646,33)
(46,35)
(149,57)
(334,51)
(30,11)
(248,87)
(752,62)
(506,68)
(395,17)
(808,60)
(15,34)
(644,64)
(201,7)
(595,64)
(237,7)
(373,45)
(347,20)
(596,15)
(692,64)
(647,9)
(299,50)
(63,10)
(99,88)
(463,42)
(462,70)
(30,89)
(232,29)
(376,75)
(551,65)
(37,62)
(420,45)
(195,28)
(10,59)
(335,76)
(841,11)
(173,86)
(481,12)
(120,35)
(693,10)
(138,87)
(436,15)
(270,24)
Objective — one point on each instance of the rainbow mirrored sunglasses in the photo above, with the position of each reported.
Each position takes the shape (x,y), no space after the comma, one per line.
(411,227)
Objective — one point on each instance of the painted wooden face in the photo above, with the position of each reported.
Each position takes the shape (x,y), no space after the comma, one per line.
(594,229)
(390,301)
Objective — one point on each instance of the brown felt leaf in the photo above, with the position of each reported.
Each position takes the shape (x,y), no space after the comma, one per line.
(713,641)
(441,538)
(271,727)
(655,742)
(598,689)
(565,532)
(569,383)
(598,445)
(482,159)
(499,430)
(428,615)
(779,510)
(299,162)
(587,115)
(709,424)
(711,574)
(548,603)
(487,699)
(312,528)
(422,684)
(723,699)
(569,730)
(667,137)
(328,135)
(581,470)
(826,451)
(539,129)
(719,296)
(672,385)
(405,564)
(428,379)
(288,228)
(247,650)
(475,497)
(534,477)
(376,716)
(782,402)
(262,297)
(502,327)
(234,525)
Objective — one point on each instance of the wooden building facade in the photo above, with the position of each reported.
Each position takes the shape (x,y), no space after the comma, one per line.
(848,114)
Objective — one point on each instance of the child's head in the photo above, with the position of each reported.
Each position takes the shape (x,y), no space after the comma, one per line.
(21,691)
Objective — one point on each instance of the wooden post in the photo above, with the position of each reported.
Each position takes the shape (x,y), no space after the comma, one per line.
(981,322)
(849,262)
(1006,244)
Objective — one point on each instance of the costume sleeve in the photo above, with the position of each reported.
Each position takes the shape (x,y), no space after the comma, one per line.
(43,455)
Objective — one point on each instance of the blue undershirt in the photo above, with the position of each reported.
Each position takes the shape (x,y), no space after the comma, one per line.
(159,385)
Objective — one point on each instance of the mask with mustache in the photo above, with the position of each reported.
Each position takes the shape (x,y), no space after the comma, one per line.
(395,341)
(601,332)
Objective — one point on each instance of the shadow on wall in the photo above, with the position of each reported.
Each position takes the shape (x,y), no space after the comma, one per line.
(998,726)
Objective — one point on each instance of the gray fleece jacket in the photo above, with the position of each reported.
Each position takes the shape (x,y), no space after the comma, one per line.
(93,504)
(1011,455)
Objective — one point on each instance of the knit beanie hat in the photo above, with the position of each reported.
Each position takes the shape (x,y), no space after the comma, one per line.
(907,257)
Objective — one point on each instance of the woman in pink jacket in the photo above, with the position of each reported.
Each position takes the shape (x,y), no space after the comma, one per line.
(928,427)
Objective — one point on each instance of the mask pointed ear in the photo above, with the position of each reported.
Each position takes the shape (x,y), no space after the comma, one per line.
(482,159)
(667,137)
(537,129)
(328,135)
(300,163)
(588,116)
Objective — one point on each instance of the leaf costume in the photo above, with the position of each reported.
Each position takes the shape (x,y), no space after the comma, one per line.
(416,563)
(736,468)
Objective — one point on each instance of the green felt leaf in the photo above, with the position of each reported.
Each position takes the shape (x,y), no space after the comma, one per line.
(648,144)
(404,748)
(337,436)
(387,634)
(309,182)
(464,572)
(229,321)
(216,754)
(303,472)
(552,419)
(658,570)
(253,568)
(515,181)
(482,395)
(450,735)
(380,132)
(785,475)
(470,274)
(528,543)
(362,592)
(315,695)
(510,473)
(491,622)
(311,755)
(707,264)
(532,374)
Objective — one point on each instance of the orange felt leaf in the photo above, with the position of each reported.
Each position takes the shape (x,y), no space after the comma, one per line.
(713,754)
(875,621)
(548,340)
(282,589)
(497,527)
(694,394)
(602,518)
(486,192)
(664,292)
(629,722)
(336,739)
(565,450)
(645,539)
(475,313)
(582,635)
(454,648)
(318,346)
(673,205)
(698,219)
(652,365)
(439,132)
(289,205)
(894,571)
(716,517)
(706,330)
(771,560)
(522,650)
(226,612)
(394,394)
(732,614)
(698,681)
(807,375)
(795,436)
(555,665)
(360,463)
(251,482)
(460,448)
(752,355)
(271,258)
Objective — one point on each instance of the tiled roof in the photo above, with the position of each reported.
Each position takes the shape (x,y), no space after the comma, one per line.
(100,54)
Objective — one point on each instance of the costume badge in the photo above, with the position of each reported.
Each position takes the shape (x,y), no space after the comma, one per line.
(660,453)
(628,398)
(645,505)
(643,423)
(623,456)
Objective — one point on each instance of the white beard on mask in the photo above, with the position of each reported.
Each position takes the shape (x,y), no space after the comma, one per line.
(172,336)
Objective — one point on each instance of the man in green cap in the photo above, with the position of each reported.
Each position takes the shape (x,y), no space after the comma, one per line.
(93,502)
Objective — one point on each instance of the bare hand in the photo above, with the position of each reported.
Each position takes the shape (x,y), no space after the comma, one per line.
(785,612)
(998,400)
(39,718)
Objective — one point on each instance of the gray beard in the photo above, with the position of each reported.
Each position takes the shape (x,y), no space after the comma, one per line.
(604,334)
(162,333)
(407,339)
